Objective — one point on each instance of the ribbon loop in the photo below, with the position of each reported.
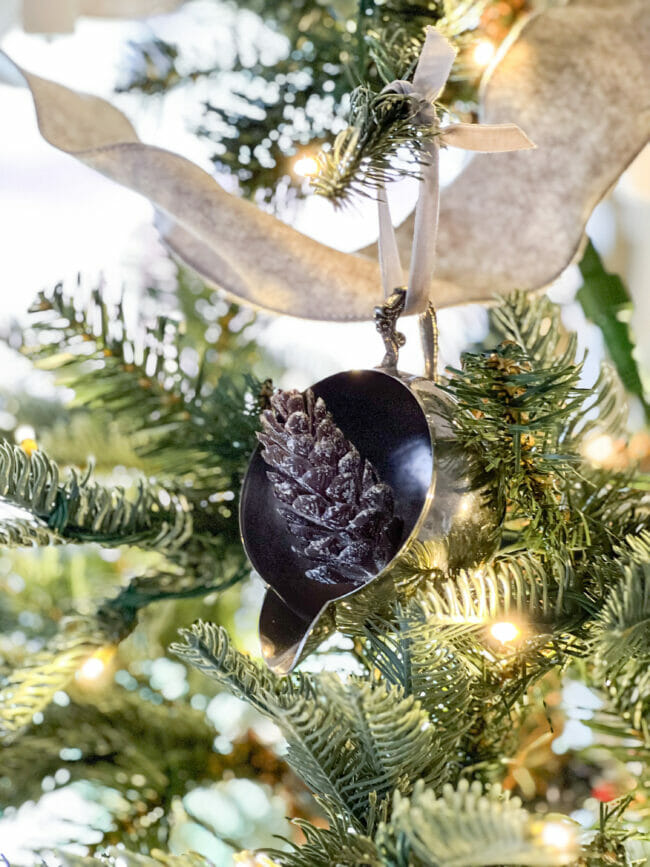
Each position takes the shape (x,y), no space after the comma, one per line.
(434,65)
(429,79)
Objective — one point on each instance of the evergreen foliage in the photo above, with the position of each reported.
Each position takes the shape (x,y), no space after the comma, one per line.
(622,642)
(121,741)
(140,375)
(81,510)
(351,745)
(178,421)
(192,428)
(300,96)
(412,759)
(466,827)
(407,757)
(363,157)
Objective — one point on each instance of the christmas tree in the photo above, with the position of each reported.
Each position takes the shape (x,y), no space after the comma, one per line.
(444,553)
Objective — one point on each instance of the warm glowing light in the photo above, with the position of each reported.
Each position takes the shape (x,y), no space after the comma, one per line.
(504,632)
(483,52)
(599,449)
(558,835)
(29,446)
(306,167)
(94,666)
(247,858)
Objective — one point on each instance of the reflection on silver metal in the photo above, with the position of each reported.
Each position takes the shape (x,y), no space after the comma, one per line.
(429,338)
(386,316)
(400,423)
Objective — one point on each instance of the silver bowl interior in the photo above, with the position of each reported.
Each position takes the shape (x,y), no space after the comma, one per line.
(381,416)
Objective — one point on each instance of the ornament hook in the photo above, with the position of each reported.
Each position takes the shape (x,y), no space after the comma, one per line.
(386,316)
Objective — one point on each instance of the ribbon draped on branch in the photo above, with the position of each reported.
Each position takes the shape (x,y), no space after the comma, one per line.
(431,73)
(571,78)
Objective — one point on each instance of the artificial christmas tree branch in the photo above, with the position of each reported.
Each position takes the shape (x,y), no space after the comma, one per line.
(139,379)
(345,47)
(117,739)
(81,510)
(566,596)
(29,689)
(348,743)
(176,421)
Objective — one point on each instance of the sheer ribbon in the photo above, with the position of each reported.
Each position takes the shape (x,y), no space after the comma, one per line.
(430,76)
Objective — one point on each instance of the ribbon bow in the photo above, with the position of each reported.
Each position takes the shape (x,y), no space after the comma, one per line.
(431,73)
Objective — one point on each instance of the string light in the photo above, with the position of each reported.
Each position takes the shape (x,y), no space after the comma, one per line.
(559,835)
(306,166)
(504,632)
(599,449)
(95,665)
(483,52)
(29,446)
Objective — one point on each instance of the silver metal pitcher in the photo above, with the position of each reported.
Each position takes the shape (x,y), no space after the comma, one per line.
(400,423)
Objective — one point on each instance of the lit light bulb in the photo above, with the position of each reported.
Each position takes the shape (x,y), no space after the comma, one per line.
(599,449)
(25,433)
(29,446)
(306,167)
(95,665)
(504,632)
(246,858)
(483,52)
(92,668)
(559,835)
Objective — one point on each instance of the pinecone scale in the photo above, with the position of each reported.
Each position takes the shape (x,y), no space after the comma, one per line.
(338,510)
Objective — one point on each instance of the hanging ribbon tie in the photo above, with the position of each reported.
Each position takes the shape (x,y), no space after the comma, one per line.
(430,77)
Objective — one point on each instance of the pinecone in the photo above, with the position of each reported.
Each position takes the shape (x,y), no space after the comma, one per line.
(333,501)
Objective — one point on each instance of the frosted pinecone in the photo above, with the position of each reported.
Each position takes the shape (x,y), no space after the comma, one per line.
(335,505)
